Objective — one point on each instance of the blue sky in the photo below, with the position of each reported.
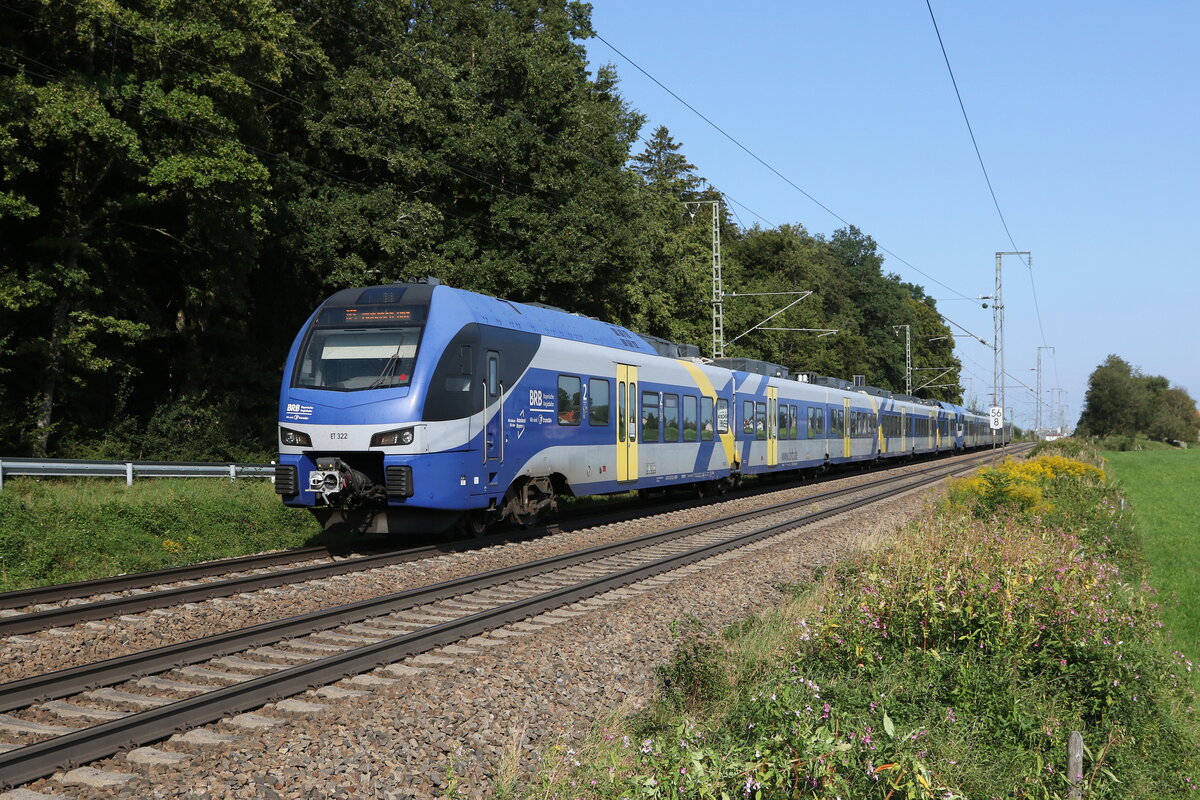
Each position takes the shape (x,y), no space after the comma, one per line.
(1087,116)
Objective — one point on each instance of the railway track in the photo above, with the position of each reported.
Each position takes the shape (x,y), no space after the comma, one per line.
(62,605)
(193,683)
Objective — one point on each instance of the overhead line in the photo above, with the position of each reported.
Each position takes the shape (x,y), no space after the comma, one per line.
(979,155)
(755,156)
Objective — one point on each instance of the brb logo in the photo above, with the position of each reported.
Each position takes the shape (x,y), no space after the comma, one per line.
(298,411)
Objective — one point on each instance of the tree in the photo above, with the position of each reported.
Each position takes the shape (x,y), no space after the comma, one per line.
(1110,404)
(664,168)
(131,195)
(1173,416)
(1121,401)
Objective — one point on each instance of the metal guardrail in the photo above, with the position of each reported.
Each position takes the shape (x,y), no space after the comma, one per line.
(72,468)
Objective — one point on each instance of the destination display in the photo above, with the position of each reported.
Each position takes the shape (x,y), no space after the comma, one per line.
(370,315)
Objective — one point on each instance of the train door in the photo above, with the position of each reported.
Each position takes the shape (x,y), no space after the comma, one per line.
(845,427)
(903,430)
(627,423)
(493,397)
(933,431)
(772,426)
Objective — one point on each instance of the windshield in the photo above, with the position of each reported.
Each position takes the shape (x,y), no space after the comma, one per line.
(348,360)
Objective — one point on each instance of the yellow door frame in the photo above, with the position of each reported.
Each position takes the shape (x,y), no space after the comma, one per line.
(772,426)
(627,423)
(845,427)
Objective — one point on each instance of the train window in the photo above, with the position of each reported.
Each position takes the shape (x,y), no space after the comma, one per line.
(748,418)
(354,359)
(493,374)
(650,416)
(793,421)
(706,419)
(812,423)
(621,411)
(598,402)
(722,415)
(632,411)
(760,422)
(837,420)
(690,414)
(570,389)
(785,428)
(670,418)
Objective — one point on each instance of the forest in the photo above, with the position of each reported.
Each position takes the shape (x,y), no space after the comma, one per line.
(181,183)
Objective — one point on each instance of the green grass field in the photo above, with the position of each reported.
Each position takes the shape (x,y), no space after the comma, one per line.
(1163,487)
(55,531)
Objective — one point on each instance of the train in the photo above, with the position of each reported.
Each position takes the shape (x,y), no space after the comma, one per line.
(420,407)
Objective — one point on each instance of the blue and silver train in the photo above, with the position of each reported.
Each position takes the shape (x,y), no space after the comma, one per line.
(415,407)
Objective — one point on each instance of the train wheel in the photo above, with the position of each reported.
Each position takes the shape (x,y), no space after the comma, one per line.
(471,524)
(527,500)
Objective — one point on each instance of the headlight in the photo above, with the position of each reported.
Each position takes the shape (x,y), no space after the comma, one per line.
(401,436)
(294,438)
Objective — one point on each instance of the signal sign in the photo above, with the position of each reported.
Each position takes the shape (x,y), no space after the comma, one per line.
(997,418)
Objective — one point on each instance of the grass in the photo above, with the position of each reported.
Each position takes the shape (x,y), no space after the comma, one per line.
(951,663)
(58,531)
(1164,489)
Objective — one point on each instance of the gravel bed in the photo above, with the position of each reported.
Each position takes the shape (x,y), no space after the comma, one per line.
(59,648)
(491,705)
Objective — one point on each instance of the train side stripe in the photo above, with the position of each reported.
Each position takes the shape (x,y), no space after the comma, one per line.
(706,388)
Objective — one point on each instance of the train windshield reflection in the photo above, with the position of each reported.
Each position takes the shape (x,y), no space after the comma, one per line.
(353,359)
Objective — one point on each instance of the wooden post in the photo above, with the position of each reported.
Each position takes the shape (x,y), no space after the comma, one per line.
(1075,766)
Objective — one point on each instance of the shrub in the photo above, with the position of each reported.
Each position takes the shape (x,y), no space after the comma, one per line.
(953,663)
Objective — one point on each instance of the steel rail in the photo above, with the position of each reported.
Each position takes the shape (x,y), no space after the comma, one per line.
(43,758)
(68,615)
(65,682)
(18,598)
(100,609)
(140,580)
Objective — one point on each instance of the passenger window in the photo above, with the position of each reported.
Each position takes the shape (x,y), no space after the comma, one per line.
(621,411)
(598,402)
(650,416)
(706,419)
(632,411)
(670,418)
(570,389)
(689,418)
(723,415)
(760,422)
(748,418)
(785,431)
(493,374)
(793,421)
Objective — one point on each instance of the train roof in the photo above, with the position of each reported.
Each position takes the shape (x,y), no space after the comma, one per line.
(550,320)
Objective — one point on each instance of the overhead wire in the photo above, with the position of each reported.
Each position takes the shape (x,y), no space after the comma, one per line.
(771,168)
(979,155)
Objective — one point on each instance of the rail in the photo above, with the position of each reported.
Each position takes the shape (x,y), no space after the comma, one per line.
(73,468)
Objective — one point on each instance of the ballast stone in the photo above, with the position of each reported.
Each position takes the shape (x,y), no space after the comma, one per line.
(96,778)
